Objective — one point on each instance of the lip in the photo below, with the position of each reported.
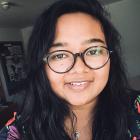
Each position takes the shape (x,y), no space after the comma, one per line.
(78,85)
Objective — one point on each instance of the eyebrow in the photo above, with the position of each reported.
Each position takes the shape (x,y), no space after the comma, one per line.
(94,40)
(89,41)
(59,44)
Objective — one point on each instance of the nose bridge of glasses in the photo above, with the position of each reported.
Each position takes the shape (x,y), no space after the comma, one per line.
(78,55)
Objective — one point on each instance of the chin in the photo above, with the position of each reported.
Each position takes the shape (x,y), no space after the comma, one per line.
(83,103)
(78,103)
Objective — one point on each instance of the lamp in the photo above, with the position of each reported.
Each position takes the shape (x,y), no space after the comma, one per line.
(5,5)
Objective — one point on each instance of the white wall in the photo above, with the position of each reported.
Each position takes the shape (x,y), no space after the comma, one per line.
(126,17)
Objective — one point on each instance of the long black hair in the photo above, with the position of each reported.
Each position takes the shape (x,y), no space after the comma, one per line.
(43,113)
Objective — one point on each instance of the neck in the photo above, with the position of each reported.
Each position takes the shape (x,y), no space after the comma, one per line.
(83,122)
(83,114)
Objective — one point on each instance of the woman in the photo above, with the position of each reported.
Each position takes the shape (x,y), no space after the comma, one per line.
(77,87)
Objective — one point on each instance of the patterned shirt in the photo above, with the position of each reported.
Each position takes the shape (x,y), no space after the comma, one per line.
(11,133)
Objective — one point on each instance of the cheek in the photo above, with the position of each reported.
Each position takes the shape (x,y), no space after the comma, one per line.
(55,79)
(103,74)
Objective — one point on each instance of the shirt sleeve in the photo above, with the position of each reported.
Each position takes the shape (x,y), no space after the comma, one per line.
(134,118)
(9,133)
(13,133)
(3,133)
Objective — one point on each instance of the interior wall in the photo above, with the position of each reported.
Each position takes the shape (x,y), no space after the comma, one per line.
(10,34)
(25,35)
(125,16)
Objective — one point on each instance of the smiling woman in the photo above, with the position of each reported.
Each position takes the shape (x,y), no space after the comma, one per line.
(79,83)
(77,88)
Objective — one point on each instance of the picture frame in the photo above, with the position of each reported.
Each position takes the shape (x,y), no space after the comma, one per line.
(12,68)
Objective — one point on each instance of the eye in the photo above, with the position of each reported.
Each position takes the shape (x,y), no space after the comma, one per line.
(95,51)
(58,56)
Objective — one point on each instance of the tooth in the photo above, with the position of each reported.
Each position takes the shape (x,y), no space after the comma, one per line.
(78,83)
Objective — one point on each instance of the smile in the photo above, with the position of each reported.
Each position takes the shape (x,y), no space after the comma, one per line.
(78,85)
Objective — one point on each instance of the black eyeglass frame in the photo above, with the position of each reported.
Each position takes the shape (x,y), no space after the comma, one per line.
(75,55)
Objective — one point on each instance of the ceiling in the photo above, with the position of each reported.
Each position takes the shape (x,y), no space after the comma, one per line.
(23,13)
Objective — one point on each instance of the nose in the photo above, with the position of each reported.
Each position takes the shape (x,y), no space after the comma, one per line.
(79,65)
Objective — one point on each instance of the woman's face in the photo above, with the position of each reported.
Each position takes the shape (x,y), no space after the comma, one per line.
(81,85)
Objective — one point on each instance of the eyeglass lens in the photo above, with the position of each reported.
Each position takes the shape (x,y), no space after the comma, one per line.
(62,61)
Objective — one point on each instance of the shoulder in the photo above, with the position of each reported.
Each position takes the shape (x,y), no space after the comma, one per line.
(134,103)
(134,114)
(4,133)
(9,133)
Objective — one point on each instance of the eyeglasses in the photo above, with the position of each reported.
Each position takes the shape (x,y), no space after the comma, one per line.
(62,61)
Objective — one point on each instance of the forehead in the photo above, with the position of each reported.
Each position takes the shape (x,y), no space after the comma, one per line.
(76,28)
(78,23)
(78,19)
